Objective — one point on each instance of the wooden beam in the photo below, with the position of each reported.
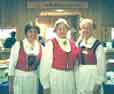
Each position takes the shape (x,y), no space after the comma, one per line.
(57,4)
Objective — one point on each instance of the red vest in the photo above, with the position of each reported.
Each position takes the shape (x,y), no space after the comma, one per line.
(89,58)
(63,60)
(21,64)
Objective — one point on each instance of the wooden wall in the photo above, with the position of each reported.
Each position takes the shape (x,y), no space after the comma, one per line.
(16,13)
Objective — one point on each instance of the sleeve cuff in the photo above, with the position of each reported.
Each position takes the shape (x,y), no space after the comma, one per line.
(45,84)
(99,82)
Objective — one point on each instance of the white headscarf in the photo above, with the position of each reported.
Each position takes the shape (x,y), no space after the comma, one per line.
(61,20)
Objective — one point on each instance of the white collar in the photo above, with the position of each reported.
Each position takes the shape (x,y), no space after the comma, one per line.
(67,47)
(89,42)
(28,47)
(61,39)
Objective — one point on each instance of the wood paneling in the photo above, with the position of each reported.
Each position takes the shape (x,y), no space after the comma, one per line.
(16,13)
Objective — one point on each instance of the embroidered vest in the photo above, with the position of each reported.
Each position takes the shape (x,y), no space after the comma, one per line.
(64,60)
(88,56)
(27,62)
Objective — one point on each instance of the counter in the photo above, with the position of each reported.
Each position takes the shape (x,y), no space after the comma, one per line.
(109,84)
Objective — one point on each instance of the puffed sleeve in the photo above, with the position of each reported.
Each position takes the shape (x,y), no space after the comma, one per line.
(13,59)
(101,65)
(45,66)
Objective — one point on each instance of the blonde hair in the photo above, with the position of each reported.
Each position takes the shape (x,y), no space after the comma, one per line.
(86,21)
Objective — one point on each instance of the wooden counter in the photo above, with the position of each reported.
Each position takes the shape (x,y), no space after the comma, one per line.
(4,61)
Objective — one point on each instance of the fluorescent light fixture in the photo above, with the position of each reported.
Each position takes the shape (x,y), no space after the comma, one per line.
(59,10)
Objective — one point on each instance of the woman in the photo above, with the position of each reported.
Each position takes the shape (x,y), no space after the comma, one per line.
(91,72)
(24,60)
(58,59)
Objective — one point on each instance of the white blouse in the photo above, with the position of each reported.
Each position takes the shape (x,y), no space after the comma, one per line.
(15,51)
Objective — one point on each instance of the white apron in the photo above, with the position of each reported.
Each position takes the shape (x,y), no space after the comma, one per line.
(86,78)
(62,82)
(25,82)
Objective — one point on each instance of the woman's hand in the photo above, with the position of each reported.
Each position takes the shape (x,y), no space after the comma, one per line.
(11,90)
(47,91)
(97,89)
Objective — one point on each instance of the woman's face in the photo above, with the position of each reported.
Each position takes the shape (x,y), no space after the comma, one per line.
(61,30)
(32,34)
(86,30)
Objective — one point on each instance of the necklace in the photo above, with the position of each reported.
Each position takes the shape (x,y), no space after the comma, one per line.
(65,42)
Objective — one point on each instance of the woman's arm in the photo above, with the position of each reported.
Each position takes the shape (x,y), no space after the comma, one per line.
(45,66)
(12,64)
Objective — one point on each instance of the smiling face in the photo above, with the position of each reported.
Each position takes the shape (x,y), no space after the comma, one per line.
(61,30)
(32,34)
(86,29)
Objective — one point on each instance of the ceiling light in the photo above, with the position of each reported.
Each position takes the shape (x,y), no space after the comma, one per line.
(59,10)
